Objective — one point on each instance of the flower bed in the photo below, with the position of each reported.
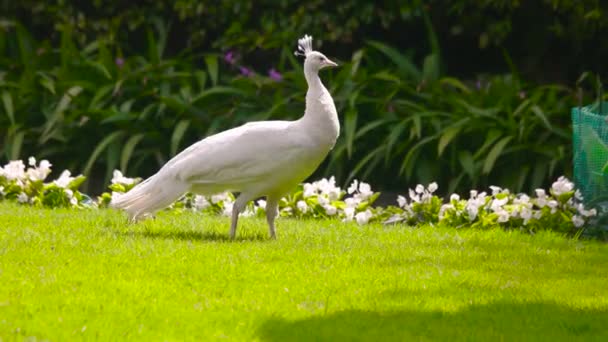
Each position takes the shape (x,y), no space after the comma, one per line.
(560,208)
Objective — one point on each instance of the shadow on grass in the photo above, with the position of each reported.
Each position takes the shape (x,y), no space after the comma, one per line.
(497,321)
(191,235)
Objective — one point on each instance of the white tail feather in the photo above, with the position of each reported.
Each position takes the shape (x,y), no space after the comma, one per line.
(155,193)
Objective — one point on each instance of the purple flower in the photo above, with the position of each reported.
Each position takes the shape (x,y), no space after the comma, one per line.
(246,71)
(229,58)
(478,85)
(119,62)
(275,75)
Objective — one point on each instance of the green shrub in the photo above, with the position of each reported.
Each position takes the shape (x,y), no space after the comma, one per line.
(93,109)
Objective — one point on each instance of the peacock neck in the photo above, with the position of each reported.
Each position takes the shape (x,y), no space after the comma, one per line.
(320,114)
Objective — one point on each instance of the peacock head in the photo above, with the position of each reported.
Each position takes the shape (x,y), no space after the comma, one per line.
(314,60)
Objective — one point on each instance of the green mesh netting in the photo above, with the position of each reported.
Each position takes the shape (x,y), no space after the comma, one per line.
(590,139)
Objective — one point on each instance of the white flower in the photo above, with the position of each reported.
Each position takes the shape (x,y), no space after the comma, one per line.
(419,189)
(200,202)
(349,213)
(553,205)
(561,186)
(262,204)
(523,200)
(309,190)
(334,194)
(45,164)
(525,214)
(352,202)
(1,190)
(39,173)
(64,179)
(472,211)
(365,190)
(497,204)
(302,206)
(454,197)
(473,194)
(322,200)
(363,217)
(585,213)
(119,178)
(31,161)
(426,197)
(14,170)
(578,221)
(227,211)
(537,214)
(578,195)
(402,201)
(433,187)
(443,209)
(353,187)
(414,197)
(495,190)
(217,198)
(540,193)
(22,198)
(503,215)
(330,209)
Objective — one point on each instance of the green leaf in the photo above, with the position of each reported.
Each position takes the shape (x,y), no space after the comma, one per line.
(541,115)
(217,91)
(47,82)
(212,68)
(468,164)
(456,83)
(178,134)
(127,151)
(99,95)
(494,154)
(57,115)
(7,100)
(447,136)
(101,146)
(430,68)
(404,64)
(350,126)
(16,144)
(201,79)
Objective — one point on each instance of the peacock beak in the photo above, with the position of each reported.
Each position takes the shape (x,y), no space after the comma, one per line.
(329,63)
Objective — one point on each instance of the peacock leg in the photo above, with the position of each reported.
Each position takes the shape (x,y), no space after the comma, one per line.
(272,204)
(237,208)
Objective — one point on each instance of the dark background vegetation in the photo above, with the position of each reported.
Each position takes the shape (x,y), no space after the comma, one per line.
(466,93)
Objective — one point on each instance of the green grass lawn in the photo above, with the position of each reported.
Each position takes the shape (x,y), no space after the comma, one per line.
(70,275)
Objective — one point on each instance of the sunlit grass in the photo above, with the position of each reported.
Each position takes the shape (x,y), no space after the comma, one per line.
(70,275)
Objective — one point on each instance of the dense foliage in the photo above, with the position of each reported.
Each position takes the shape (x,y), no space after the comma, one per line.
(544,37)
(103,86)
(559,209)
(93,109)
